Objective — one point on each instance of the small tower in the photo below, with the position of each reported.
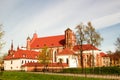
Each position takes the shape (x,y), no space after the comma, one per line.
(12,45)
(18,47)
(69,38)
(35,35)
(28,43)
(11,51)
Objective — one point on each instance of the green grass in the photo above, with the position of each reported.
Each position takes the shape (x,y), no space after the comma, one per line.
(31,76)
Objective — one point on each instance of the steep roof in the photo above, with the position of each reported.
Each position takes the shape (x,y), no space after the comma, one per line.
(26,54)
(85,47)
(51,41)
(66,51)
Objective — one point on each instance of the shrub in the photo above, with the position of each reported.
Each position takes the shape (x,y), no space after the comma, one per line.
(95,70)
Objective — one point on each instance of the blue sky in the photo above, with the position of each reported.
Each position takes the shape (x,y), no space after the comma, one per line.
(21,18)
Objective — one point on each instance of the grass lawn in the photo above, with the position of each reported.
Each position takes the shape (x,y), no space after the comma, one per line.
(32,76)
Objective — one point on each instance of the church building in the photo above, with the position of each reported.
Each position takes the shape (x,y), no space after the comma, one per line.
(63,48)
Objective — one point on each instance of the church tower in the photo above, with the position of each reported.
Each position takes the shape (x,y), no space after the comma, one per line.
(11,51)
(28,43)
(69,38)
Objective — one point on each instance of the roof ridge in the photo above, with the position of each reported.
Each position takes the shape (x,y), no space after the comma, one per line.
(52,36)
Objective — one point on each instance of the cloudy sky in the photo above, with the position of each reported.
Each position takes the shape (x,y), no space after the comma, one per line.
(21,18)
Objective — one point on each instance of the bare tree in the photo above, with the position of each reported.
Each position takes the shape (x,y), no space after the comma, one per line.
(80,33)
(117,44)
(1,36)
(93,38)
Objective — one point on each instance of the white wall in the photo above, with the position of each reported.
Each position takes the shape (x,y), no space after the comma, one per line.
(12,64)
(15,64)
(73,61)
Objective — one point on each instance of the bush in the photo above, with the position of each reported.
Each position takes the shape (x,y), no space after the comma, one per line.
(95,70)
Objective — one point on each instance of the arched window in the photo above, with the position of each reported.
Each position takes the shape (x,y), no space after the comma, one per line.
(60,60)
(67,61)
(55,59)
(22,61)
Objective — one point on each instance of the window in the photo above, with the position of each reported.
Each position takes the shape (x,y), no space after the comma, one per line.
(11,62)
(67,61)
(22,61)
(11,68)
(55,59)
(60,60)
(44,44)
(37,46)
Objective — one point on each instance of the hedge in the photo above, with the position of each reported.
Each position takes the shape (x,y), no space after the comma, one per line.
(95,70)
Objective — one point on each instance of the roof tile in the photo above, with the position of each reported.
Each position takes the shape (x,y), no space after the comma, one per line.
(66,51)
(27,54)
(85,47)
(51,41)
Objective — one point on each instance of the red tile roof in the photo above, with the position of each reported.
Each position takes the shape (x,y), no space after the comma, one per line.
(66,51)
(102,54)
(51,41)
(42,65)
(27,54)
(85,47)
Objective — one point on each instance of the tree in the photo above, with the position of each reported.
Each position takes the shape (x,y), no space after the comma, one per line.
(93,38)
(117,44)
(1,36)
(80,33)
(45,57)
(115,58)
(2,61)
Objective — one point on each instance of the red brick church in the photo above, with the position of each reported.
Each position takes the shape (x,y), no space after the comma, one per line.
(62,47)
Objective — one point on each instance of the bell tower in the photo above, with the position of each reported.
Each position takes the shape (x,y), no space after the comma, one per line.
(69,38)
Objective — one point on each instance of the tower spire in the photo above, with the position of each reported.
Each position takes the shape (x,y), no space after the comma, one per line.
(12,45)
(18,47)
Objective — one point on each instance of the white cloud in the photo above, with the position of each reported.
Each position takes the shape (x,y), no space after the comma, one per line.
(55,18)
(107,20)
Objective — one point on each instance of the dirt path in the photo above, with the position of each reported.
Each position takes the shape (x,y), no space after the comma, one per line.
(115,77)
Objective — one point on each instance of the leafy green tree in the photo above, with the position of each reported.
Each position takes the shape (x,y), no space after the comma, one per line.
(45,57)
